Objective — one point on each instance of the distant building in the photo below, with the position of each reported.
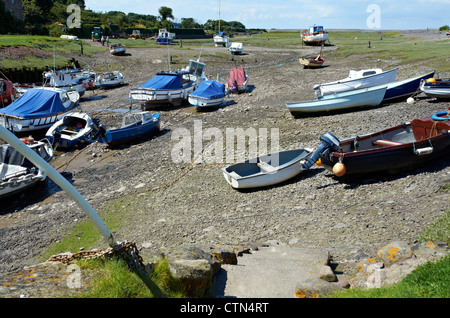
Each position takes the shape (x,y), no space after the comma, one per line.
(14,7)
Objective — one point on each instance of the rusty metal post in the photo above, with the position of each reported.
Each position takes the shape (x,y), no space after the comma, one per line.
(15,142)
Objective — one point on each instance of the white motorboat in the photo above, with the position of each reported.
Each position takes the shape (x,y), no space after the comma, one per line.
(356,80)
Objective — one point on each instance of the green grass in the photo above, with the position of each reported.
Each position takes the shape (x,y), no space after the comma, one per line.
(431,280)
(113,278)
(85,234)
(37,51)
(392,46)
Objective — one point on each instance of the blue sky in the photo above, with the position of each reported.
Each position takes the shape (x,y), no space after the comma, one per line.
(297,14)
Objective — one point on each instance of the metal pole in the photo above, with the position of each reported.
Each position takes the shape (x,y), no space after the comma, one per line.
(15,142)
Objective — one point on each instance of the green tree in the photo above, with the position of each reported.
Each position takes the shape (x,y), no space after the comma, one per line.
(165,13)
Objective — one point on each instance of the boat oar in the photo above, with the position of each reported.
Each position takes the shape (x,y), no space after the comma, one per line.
(26,151)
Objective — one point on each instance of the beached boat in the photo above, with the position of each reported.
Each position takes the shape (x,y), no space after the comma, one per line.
(312,61)
(436,88)
(16,172)
(314,35)
(405,88)
(73,129)
(371,96)
(165,88)
(165,37)
(236,48)
(7,92)
(403,147)
(134,126)
(108,79)
(117,49)
(266,170)
(208,94)
(68,79)
(36,109)
(356,80)
(237,81)
(170,88)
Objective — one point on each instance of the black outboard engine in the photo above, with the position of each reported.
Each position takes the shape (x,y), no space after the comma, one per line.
(329,141)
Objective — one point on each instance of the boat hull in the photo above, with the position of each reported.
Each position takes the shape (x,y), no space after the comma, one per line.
(312,62)
(405,88)
(346,85)
(418,143)
(251,174)
(347,100)
(161,97)
(439,89)
(119,136)
(205,102)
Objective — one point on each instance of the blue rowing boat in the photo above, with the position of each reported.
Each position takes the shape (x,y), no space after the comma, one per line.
(134,126)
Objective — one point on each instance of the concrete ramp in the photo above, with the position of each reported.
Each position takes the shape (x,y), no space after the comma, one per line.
(269,272)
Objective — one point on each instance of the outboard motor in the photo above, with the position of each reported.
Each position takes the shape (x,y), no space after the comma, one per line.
(328,141)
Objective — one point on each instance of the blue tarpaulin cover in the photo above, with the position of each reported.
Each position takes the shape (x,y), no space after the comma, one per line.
(35,103)
(164,80)
(210,90)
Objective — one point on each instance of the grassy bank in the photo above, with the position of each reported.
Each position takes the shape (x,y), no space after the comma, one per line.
(17,51)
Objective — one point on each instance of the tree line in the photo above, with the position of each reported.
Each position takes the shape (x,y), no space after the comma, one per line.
(48,17)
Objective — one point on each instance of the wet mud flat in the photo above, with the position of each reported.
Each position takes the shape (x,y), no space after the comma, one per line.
(163,203)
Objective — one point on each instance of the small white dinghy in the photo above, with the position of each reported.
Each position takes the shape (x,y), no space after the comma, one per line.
(266,170)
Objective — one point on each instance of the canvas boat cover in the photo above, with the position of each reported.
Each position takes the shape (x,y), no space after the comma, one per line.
(164,80)
(210,90)
(237,74)
(35,103)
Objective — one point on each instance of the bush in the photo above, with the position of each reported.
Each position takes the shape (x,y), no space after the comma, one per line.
(444,28)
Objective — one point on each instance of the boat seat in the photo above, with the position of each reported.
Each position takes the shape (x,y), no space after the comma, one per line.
(234,175)
(69,132)
(266,167)
(427,128)
(386,143)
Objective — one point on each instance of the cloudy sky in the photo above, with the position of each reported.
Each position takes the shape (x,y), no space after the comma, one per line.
(297,14)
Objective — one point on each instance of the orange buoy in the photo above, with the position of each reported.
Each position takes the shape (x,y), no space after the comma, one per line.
(319,163)
(431,80)
(339,169)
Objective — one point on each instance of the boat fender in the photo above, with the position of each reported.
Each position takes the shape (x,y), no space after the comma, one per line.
(438,116)
(339,169)
(327,141)
(424,151)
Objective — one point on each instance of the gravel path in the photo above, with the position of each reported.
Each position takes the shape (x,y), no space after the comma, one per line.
(167,204)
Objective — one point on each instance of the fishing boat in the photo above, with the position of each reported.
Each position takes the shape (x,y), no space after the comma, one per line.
(73,129)
(236,48)
(266,170)
(237,81)
(68,79)
(7,92)
(170,88)
(436,88)
(117,49)
(312,61)
(166,88)
(16,172)
(357,80)
(108,79)
(165,37)
(372,96)
(208,94)
(36,109)
(314,35)
(405,88)
(403,147)
(134,126)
